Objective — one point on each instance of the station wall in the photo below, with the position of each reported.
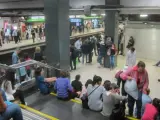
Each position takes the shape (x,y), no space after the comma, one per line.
(147,40)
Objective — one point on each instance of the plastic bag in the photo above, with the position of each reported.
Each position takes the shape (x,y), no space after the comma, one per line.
(131,88)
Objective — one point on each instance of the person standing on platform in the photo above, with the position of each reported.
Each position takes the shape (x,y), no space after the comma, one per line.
(19,36)
(0,41)
(90,49)
(2,35)
(102,53)
(131,57)
(15,58)
(140,74)
(85,51)
(94,41)
(73,56)
(78,45)
(7,35)
(38,55)
(40,33)
(15,35)
(112,56)
(33,35)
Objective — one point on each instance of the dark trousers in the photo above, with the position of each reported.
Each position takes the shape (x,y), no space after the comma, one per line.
(3,37)
(79,55)
(19,38)
(29,72)
(0,43)
(131,102)
(122,49)
(71,95)
(33,37)
(22,78)
(95,50)
(16,39)
(19,94)
(123,92)
(90,57)
(73,63)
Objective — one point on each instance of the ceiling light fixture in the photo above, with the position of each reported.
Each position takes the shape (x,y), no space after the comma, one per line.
(93,14)
(103,14)
(143,15)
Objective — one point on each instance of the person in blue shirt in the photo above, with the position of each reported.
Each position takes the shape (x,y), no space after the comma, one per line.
(9,110)
(63,87)
(22,71)
(15,57)
(43,83)
(145,100)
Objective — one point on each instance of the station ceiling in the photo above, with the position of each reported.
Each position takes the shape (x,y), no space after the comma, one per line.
(130,9)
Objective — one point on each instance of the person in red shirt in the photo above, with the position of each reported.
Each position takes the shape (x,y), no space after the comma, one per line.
(140,74)
(28,68)
(151,110)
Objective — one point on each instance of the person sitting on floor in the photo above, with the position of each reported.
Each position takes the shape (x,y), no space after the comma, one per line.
(9,110)
(11,92)
(43,83)
(63,87)
(95,92)
(152,110)
(76,84)
(84,88)
(111,97)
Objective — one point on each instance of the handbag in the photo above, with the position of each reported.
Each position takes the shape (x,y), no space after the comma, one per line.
(85,99)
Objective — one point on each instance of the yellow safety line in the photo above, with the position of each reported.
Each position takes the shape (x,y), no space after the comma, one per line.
(131,118)
(73,100)
(80,102)
(38,112)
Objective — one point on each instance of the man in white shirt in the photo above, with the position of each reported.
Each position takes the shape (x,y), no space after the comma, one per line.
(78,45)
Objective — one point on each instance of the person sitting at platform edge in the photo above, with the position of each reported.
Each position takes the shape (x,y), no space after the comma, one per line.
(63,87)
(76,84)
(43,82)
(9,110)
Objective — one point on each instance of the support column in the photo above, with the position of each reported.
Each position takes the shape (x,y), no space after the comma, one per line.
(57,32)
(111,29)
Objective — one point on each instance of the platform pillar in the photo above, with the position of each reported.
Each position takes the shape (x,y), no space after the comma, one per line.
(57,32)
(111,30)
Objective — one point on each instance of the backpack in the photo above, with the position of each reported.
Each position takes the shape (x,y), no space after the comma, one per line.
(118,113)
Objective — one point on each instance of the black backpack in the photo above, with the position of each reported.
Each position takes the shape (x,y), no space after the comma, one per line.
(118,113)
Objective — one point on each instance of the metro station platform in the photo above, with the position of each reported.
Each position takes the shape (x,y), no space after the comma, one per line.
(27,44)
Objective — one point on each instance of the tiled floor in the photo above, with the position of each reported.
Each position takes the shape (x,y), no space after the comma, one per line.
(89,70)
(30,41)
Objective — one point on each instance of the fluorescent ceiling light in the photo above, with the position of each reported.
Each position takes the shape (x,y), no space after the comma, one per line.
(103,14)
(72,16)
(143,15)
(93,14)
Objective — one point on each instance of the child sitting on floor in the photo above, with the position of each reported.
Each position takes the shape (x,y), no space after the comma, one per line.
(152,110)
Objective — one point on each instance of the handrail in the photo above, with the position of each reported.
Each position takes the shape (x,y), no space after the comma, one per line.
(27,63)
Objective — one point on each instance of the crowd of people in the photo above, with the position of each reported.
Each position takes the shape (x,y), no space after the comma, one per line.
(103,47)
(106,97)
(14,34)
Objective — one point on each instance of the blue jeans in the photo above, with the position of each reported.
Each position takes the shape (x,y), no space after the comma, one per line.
(12,111)
(99,59)
(112,59)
